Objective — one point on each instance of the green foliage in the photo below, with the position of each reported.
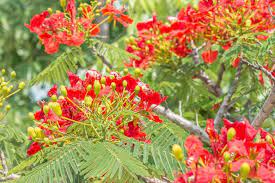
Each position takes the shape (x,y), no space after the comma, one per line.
(56,72)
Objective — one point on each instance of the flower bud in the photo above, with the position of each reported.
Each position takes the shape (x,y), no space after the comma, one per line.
(226,156)
(50,10)
(31,116)
(88,100)
(8,107)
(248,22)
(97,87)
(125,71)
(61,98)
(137,89)
(47,140)
(231,133)
(137,72)
(177,152)
(31,132)
(3,71)
(124,83)
(56,108)
(113,85)
(54,98)
(38,132)
(21,85)
(46,109)
(88,88)
(103,80)
(63,90)
(13,74)
(63,3)
(244,170)
(268,138)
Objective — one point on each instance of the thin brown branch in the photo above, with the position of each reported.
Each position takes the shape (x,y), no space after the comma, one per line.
(224,106)
(211,85)
(5,170)
(220,75)
(265,110)
(154,180)
(182,122)
(260,68)
(103,59)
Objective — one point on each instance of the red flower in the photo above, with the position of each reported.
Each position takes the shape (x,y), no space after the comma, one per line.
(210,56)
(117,14)
(34,148)
(261,78)
(36,22)
(52,91)
(236,62)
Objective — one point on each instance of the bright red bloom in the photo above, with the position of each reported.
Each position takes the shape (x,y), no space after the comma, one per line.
(117,14)
(210,56)
(236,62)
(34,148)
(52,91)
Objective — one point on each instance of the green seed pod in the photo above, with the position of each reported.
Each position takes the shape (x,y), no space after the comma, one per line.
(103,80)
(13,74)
(231,133)
(56,108)
(137,89)
(63,90)
(226,156)
(46,109)
(54,98)
(97,87)
(21,85)
(113,85)
(244,170)
(88,100)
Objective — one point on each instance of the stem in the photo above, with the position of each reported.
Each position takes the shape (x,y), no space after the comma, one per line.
(265,110)
(224,106)
(182,122)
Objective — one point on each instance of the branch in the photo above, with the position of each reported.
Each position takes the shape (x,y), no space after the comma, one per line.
(154,180)
(220,75)
(103,59)
(5,170)
(265,110)
(182,122)
(260,68)
(211,86)
(227,98)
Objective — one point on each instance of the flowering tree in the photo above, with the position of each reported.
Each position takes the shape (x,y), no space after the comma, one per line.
(111,126)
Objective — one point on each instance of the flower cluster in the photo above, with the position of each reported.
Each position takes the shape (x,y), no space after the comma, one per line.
(7,90)
(98,108)
(238,153)
(68,28)
(213,22)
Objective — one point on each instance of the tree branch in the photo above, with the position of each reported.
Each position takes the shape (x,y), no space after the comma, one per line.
(211,86)
(224,106)
(154,180)
(103,59)
(265,110)
(182,122)
(220,75)
(5,170)
(260,68)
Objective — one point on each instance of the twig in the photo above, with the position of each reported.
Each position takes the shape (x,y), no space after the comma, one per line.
(211,85)
(154,180)
(220,75)
(103,59)
(5,170)
(260,68)
(182,122)
(180,108)
(224,106)
(265,110)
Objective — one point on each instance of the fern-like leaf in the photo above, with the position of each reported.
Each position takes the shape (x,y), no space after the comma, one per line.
(112,163)
(56,72)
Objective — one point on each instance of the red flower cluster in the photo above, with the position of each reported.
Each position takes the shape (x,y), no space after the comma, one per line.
(214,22)
(108,106)
(238,153)
(54,29)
